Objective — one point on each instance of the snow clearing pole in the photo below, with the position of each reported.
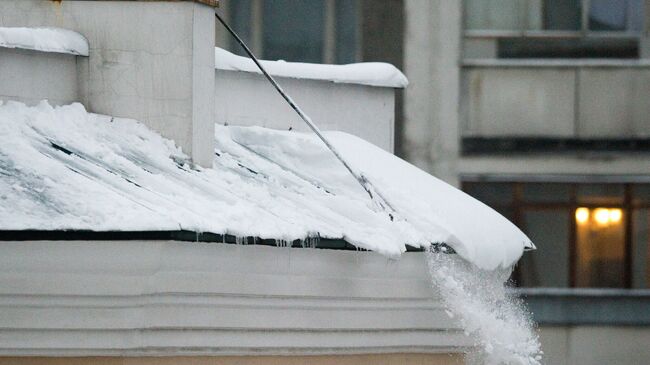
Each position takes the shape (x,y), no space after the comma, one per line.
(375,196)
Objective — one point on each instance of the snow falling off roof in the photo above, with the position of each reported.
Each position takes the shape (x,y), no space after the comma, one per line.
(367,73)
(64,168)
(54,40)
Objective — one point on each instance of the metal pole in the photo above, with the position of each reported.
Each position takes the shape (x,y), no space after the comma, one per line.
(367,186)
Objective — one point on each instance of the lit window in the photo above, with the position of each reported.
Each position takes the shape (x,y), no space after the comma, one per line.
(600,247)
(587,235)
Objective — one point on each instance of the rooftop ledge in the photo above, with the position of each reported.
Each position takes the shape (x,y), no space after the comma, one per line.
(367,73)
(52,40)
(213,3)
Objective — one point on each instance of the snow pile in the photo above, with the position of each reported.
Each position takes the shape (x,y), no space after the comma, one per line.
(498,322)
(367,73)
(64,168)
(55,40)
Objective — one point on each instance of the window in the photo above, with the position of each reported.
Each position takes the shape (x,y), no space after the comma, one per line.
(321,31)
(550,16)
(555,28)
(588,235)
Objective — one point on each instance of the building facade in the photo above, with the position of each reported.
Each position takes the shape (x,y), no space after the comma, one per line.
(539,109)
(175,292)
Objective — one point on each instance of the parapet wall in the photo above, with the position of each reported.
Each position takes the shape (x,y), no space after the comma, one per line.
(31,76)
(356,98)
(247,99)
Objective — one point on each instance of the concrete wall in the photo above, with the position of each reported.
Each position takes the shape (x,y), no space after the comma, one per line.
(31,76)
(558,168)
(135,298)
(430,134)
(517,102)
(587,345)
(151,61)
(613,102)
(368,112)
(568,99)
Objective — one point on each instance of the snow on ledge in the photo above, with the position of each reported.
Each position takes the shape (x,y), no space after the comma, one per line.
(367,73)
(55,40)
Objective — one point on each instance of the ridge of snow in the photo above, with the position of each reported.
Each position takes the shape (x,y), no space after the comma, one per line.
(365,73)
(56,40)
(62,168)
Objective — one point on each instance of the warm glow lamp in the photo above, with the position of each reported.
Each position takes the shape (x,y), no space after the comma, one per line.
(615,215)
(582,215)
(601,216)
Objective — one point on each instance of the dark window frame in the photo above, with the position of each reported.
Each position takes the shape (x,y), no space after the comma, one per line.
(333,49)
(583,30)
(518,205)
(582,42)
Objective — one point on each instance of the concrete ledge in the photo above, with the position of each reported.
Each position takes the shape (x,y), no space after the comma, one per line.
(581,306)
(383,359)
(563,63)
(212,3)
(156,298)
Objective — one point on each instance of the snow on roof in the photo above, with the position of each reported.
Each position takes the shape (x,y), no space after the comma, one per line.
(62,168)
(54,40)
(367,73)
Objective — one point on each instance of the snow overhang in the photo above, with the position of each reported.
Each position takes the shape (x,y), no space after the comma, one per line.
(54,40)
(63,168)
(367,73)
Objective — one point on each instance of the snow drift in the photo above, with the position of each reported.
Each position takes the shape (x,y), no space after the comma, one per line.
(62,168)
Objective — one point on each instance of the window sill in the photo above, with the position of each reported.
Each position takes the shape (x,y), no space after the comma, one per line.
(487,33)
(588,306)
(565,62)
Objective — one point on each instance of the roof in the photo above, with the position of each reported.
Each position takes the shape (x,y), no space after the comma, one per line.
(54,40)
(62,168)
(366,73)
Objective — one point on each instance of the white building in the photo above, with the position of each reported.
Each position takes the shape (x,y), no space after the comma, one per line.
(105,223)
(537,108)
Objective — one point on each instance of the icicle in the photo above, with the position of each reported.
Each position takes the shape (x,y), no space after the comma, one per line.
(311,241)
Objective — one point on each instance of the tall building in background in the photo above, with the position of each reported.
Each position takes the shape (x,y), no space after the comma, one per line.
(540,109)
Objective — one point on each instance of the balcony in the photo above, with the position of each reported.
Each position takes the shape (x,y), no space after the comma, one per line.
(561,99)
